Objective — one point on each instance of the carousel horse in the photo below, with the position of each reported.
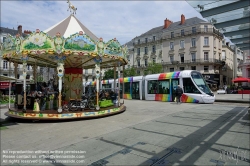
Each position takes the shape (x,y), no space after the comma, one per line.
(71,7)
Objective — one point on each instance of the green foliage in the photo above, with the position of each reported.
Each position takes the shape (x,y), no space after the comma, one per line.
(74,46)
(130,72)
(40,79)
(109,74)
(31,46)
(4,99)
(154,68)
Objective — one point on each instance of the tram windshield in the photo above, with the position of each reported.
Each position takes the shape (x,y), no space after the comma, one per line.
(199,81)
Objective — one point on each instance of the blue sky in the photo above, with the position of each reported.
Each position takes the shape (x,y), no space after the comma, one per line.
(107,19)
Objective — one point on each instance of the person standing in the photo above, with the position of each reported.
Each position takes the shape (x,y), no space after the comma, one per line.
(179,92)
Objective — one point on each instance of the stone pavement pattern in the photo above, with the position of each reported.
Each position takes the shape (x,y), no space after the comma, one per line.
(148,133)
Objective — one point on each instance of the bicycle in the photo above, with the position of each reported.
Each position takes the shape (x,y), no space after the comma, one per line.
(85,102)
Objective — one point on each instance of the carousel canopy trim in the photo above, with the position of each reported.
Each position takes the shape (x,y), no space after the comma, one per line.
(78,50)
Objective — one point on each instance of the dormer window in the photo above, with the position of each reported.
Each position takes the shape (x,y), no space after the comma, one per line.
(146,40)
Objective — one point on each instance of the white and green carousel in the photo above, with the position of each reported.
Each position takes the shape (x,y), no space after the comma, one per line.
(69,47)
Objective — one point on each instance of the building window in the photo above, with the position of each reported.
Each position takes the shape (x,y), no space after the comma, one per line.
(171,45)
(171,58)
(138,63)
(172,34)
(193,41)
(28,77)
(146,40)
(153,48)
(153,60)
(18,76)
(206,42)
(4,38)
(28,67)
(206,56)
(182,58)
(5,65)
(86,71)
(205,68)
(93,71)
(182,32)
(138,72)
(193,57)
(193,29)
(182,44)
(138,41)
(223,55)
(205,28)
(182,68)
(171,69)
(146,50)
(146,62)
(93,78)
(154,38)
(193,67)
(138,51)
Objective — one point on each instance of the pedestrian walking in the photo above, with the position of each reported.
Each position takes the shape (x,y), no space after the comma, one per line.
(179,92)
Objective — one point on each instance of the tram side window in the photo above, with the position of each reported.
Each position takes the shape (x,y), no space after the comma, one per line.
(106,86)
(127,87)
(153,87)
(189,87)
(164,86)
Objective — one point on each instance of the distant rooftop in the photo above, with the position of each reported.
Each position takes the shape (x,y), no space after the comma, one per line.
(12,32)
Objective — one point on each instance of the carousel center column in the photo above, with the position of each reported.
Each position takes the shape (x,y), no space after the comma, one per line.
(60,73)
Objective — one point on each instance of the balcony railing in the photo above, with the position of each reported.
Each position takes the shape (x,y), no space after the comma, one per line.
(191,32)
(190,62)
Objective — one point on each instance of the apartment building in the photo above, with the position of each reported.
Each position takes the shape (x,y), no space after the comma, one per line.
(188,44)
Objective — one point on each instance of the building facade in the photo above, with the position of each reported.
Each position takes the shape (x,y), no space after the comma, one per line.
(189,44)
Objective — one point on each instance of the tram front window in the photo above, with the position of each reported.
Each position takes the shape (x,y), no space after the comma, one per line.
(199,81)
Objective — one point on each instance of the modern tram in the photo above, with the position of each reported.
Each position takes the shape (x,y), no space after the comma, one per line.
(162,87)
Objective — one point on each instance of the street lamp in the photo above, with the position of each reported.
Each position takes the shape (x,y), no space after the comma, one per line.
(162,63)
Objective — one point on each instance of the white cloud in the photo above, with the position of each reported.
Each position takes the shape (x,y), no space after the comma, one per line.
(107,19)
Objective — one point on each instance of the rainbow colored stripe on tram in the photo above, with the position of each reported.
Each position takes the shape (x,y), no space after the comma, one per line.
(105,81)
(188,99)
(164,76)
(92,83)
(163,97)
(127,79)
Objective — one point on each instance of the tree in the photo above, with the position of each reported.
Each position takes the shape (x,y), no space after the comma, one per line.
(129,72)
(154,68)
(109,74)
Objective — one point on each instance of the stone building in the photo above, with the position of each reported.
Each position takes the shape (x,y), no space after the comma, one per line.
(188,44)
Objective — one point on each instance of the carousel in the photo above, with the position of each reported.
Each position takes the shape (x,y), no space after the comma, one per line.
(69,48)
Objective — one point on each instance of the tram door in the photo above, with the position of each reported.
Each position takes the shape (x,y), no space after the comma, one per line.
(174,84)
(135,90)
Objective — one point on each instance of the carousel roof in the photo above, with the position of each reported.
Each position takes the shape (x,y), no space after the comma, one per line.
(68,42)
(69,26)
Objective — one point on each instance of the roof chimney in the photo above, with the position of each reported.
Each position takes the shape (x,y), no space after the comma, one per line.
(27,32)
(167,23)
(19,30)
(182,19)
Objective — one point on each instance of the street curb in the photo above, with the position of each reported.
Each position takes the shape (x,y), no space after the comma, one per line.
(231,101)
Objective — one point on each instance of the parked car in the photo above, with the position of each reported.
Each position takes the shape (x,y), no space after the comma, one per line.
(221,91)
